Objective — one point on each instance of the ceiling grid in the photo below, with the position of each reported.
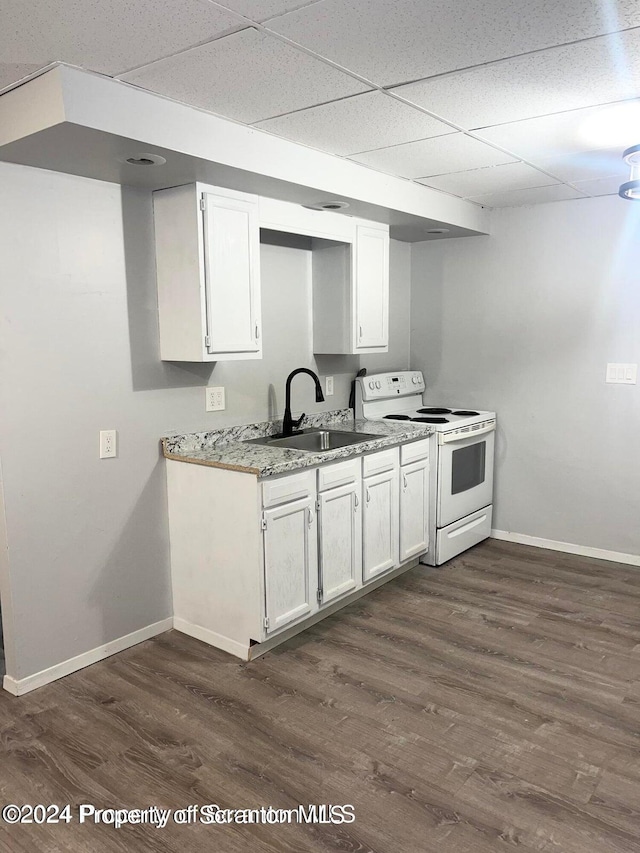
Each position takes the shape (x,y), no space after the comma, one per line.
(490,103)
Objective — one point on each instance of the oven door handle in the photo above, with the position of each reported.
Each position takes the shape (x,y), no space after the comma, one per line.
(447,438)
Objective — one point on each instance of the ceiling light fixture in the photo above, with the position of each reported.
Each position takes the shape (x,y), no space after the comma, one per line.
(143,160)
(631,188)
(328,205)
(438,231)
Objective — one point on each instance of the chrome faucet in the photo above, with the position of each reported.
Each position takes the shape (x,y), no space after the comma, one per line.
(288,424)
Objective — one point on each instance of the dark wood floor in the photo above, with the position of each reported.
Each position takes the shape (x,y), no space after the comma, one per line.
(490,705)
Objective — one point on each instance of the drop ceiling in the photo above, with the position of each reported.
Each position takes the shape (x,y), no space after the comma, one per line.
(491,102)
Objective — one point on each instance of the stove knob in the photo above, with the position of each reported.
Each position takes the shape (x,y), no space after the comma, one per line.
(415,379)
(372,385)
(378,384)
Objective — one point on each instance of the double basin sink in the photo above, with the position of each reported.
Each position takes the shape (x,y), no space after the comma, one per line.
(314,440)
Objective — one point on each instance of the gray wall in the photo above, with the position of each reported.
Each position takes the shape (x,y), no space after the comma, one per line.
(88,543)
(524,322)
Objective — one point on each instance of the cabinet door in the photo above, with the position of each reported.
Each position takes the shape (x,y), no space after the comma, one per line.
(232,274)
(371,288)
(414,509)
(290,563)
(380,523)
(340,541)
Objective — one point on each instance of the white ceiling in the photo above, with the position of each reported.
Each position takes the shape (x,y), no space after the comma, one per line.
(488,101)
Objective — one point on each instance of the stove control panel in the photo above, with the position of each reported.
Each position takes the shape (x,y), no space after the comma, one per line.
(380,386)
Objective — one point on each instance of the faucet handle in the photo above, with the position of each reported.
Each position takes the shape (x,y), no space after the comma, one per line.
(297,424)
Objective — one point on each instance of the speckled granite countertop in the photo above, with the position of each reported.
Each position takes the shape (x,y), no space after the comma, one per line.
(227,448)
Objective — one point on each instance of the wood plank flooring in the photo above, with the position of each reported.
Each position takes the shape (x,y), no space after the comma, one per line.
(489,705)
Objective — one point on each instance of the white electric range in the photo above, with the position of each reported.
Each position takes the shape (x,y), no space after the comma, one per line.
(461,458)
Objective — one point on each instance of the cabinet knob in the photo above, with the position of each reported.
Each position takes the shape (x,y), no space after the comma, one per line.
(355,503)
(257,332)
(404,480)
(368,496)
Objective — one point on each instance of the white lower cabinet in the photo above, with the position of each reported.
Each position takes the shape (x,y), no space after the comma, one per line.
(414,509)
(251,559)
(380,514)
(290,562)
(340,541)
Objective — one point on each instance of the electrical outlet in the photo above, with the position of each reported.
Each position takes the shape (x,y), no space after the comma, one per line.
(328,384)
(214,399)
(622,374)
(108,443)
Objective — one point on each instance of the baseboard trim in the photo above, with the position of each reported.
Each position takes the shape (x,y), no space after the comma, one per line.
(211,638)
(567,547)
(18,687)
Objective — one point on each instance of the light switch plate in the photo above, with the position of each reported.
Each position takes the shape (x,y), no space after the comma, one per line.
(622,374)
(214,399)
(328,385)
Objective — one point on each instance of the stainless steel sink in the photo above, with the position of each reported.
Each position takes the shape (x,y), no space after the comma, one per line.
(315,440)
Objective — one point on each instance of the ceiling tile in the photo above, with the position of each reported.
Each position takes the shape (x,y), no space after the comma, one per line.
(602,186)
(275,78)
(358,123)
(395,41)
(592,72)
(555,135)
(262,10)
(586,165)
(491,179)
(109,37)
(438,156)
(535,195)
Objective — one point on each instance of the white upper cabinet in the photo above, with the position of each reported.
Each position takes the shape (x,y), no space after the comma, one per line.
(351,292)
(232,273)
(371,290)
(289,218)
(208,271)
(350,263)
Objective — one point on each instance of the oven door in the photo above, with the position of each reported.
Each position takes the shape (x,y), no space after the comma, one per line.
(465,473)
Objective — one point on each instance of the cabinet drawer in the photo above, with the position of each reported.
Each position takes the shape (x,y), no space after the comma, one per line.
(291,487)
(339,474)
(414,451)
(376,463)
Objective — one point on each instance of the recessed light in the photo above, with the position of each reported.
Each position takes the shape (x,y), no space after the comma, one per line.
(328,205)
(438,231)
(143,160)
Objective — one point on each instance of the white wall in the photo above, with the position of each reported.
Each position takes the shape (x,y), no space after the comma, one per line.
(523,322)
(87,538)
